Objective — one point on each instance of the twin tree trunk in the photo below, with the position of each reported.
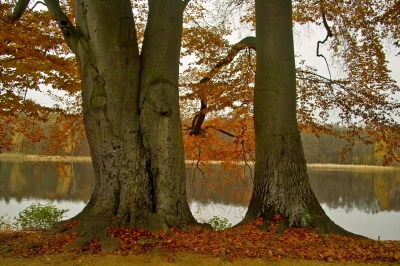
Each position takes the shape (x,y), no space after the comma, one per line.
(132,117)
(281,184)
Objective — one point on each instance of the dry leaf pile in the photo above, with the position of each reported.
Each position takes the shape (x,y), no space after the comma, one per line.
(230,244)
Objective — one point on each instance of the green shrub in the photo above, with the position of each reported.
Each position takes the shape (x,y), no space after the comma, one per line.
(38,216)
(219,223)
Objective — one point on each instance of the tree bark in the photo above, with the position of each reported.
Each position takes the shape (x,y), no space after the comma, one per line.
(131,115)
(160,112)
(281,184)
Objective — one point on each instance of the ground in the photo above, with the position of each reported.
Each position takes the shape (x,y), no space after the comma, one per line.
(180,258)
(245,245)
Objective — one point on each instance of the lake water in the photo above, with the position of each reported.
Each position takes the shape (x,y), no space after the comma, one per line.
(364,201)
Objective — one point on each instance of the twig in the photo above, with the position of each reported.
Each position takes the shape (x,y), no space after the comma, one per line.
(328,34)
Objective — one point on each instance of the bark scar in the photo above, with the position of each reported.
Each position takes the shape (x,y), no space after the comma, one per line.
(160,97)
(98,99)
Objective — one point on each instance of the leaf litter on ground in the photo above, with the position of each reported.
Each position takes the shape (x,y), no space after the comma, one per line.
(229,245)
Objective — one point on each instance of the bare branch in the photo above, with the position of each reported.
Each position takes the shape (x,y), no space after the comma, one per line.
(19,9)
(222,131)
(328,34)
(38,2)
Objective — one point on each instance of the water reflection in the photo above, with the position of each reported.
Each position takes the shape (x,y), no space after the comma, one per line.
(370,191)
(38,180)
(345,194)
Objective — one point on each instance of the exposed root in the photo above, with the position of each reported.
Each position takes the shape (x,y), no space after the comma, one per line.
(96,228)
(321,224)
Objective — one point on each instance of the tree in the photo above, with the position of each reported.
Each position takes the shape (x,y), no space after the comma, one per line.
(281,184)
(131,113)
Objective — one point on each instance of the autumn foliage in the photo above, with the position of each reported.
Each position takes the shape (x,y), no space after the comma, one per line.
(230,244)
(359,89)
(33,61)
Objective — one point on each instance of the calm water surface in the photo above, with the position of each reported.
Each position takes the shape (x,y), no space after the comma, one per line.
(363,201)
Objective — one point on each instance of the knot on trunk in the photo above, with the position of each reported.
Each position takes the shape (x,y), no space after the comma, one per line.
(162,97)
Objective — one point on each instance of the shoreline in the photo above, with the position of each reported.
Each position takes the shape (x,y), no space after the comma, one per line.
(15,157)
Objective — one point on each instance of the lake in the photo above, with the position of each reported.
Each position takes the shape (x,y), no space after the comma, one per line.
(365,201)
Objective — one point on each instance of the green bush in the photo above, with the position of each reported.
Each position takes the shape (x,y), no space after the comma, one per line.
(38,216)
(219,223)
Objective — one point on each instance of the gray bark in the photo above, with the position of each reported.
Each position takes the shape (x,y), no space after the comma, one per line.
(131,115)
(159,109)
(281,184)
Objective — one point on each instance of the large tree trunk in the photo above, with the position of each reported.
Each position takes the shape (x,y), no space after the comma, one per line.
(281,184)
(131,115)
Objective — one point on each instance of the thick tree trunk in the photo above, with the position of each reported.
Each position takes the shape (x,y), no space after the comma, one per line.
(281,184)
(131,115)
(159,110)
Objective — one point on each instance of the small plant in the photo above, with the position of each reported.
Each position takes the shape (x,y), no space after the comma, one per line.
(38,216)
(219,223)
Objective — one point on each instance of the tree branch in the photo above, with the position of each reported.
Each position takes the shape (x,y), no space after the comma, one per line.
(198,119)
(71,35)
(247,42)
(328,34)
(80,18)
(19,9)
(222,131)
(185,3)
(38,2)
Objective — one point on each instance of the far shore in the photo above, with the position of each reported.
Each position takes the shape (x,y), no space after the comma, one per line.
(44,158)
(15,157)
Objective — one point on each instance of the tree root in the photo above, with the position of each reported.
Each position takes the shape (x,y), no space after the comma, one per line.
(321,224)
(95,227)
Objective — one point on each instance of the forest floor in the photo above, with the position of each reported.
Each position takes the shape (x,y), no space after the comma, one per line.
(245,245)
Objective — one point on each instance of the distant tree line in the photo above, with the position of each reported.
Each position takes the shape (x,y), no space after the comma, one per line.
(330,149)
(323,148)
